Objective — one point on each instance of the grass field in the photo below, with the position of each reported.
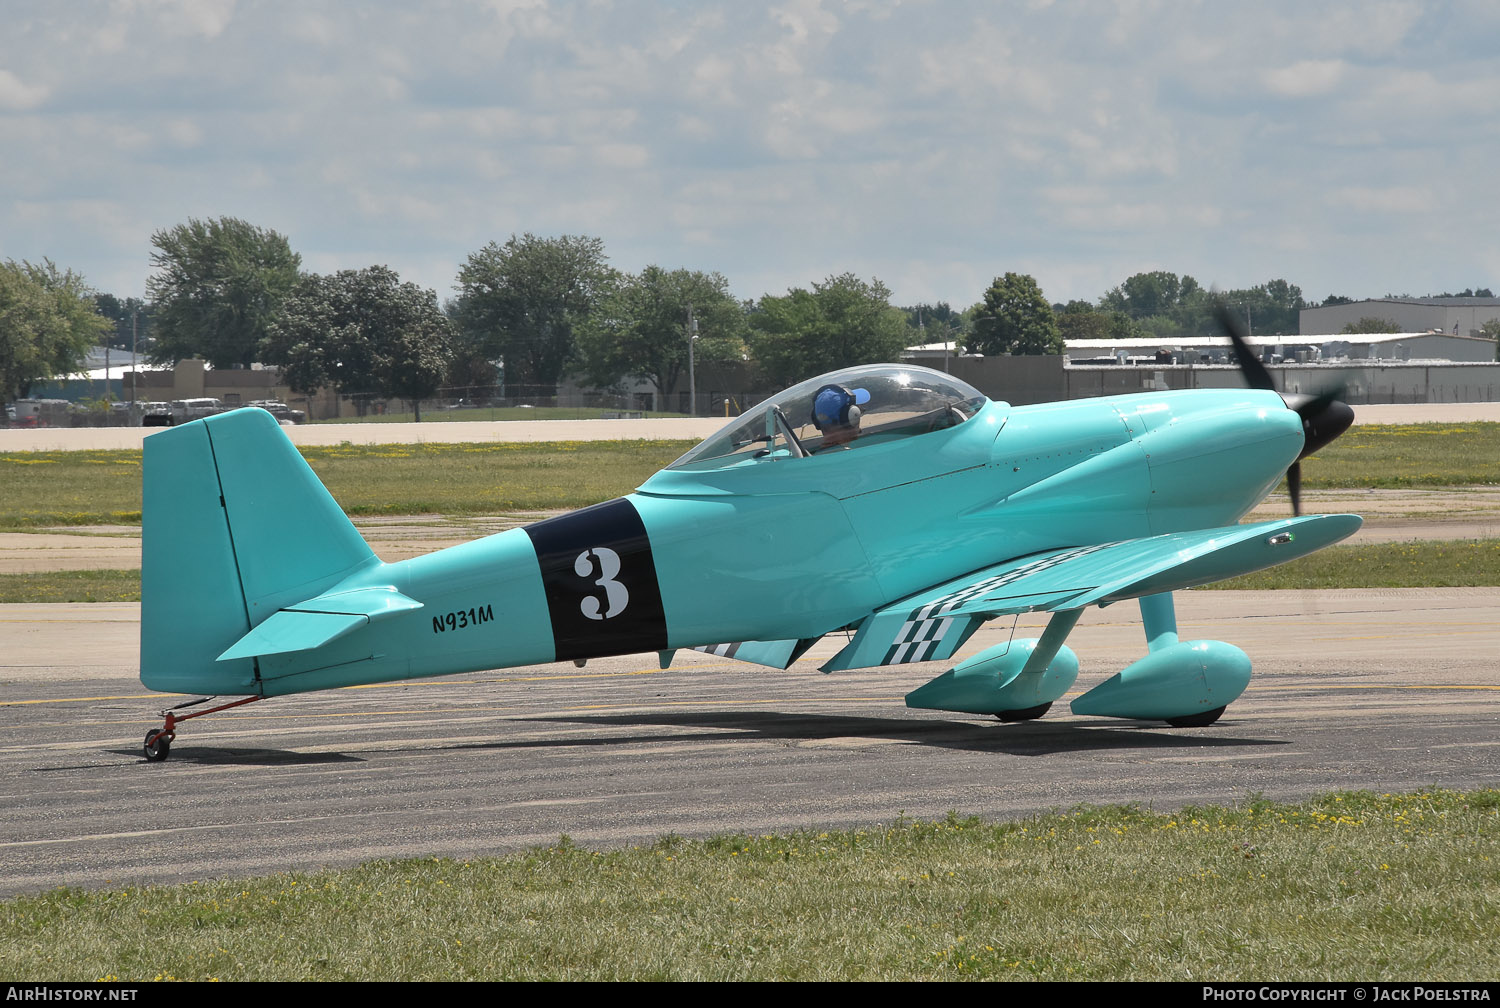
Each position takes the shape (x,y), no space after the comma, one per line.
(1440,564)
(1351,886)
(103,487)
(72,586)
(40,489)
(487,413)
(1415,455)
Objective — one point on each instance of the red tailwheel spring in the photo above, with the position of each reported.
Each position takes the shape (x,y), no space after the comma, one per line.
(159,740)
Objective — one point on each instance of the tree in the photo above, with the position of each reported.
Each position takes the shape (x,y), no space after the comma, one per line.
(841,322)
(218,286)
(1078,320)
(362,331)
(936,323)
(1491,329)
(1170,307)
(1271,307)
(641,327)
(1014,317)
(523,300)
(1155,293)
(1370,325)
(131,318)
(48,323)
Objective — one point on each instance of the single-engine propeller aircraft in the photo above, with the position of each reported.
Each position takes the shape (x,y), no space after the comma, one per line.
(891,504)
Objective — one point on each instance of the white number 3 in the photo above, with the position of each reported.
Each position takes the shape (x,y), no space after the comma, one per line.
(616,595)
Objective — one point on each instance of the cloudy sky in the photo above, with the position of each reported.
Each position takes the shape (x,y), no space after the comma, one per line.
(1349,147)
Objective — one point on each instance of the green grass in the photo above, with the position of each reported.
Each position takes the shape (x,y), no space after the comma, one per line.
(497,413)
(1350,886)
(1436,564)
(1408,455)
(103,487)
(70,488)
(479,479)
(72,586)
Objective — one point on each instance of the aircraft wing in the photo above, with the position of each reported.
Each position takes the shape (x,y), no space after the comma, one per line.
(772,654)
(931,625)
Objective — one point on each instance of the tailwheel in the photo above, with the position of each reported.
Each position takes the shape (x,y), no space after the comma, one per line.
(159,741)
(158,744)
(1025,713)
(1202,720)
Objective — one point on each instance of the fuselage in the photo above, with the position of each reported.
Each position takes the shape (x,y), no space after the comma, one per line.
(782,545)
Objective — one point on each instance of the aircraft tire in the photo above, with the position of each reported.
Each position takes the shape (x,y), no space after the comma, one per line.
(1202,720)
(157,745)
(1025,713)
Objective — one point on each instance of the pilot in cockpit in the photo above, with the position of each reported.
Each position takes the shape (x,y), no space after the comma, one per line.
(835,413)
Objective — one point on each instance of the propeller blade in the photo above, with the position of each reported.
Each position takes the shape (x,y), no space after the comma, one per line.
(1324,415)
(1324,418)
(1256,375)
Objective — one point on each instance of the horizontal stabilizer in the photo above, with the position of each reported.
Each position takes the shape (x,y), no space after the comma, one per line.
(319,621)
(932,624)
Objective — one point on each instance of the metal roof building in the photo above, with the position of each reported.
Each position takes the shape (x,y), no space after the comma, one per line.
(1459,316)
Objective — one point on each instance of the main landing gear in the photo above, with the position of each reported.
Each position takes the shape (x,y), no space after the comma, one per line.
(1202,720)
(1025,714)
(159,740)
(1187,684)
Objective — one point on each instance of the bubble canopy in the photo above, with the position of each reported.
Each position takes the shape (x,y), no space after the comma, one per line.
(889,402)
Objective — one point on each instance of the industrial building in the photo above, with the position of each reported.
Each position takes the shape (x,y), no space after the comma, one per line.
(1459,316)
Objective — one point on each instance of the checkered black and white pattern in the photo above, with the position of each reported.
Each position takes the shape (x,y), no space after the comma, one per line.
(926,628)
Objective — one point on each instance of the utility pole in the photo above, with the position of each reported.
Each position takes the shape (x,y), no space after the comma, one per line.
(134,311)
(692,336)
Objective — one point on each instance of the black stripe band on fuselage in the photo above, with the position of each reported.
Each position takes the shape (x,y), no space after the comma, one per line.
(600,579)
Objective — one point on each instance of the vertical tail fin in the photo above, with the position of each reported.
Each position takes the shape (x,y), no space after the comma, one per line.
(235,526)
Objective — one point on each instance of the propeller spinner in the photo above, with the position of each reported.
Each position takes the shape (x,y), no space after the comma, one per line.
(1324,415)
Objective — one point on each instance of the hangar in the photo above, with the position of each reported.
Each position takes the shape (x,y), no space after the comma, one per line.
(1459,316)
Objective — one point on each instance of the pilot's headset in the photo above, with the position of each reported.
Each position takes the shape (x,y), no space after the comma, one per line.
(836,406)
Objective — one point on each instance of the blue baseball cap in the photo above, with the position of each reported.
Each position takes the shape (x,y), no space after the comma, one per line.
(832,402)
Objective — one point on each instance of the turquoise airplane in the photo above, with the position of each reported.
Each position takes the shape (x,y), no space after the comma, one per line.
(892,506)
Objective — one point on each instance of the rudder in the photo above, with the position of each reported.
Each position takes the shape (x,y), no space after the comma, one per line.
(235,525)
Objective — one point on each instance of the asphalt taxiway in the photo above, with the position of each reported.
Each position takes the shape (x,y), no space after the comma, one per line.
(1356,689)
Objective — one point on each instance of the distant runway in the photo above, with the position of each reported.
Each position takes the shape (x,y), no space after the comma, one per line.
(1380,690)
(1409,515)
(442,432)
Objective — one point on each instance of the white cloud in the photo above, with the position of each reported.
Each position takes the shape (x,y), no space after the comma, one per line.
(184,133)
(205,18)
(806,21)
(1304,78)
(934,145)
(310,26)
(17,95)
(1409,199)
